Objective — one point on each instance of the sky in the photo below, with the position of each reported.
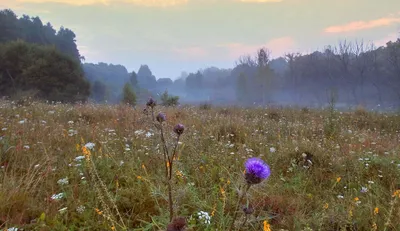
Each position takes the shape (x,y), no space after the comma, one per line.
(172,36)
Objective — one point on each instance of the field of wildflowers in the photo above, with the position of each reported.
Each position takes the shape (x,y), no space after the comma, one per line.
(103,167)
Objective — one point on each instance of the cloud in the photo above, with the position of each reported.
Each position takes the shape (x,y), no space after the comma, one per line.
(362,25)
(277,46)
(148,3)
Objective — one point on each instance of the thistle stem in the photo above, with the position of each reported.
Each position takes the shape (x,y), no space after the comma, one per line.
(172,158)
(168,172)
(238,205)
(165,152)
(171,209)
(244,222)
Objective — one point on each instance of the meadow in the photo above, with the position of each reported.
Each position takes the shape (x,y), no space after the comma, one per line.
(102,167)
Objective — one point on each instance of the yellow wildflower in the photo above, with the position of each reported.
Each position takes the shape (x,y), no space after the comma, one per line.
(376,210)
(179,173)
(213,211)
(113,227)
(139,177)
(98,211)
(351,212)
(267,227)
(222,191)
(326,206)
(396,193)
(338,179)
(86,152)
(356,199)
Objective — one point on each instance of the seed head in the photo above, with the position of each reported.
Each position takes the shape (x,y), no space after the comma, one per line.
(161,117)
(177,224)
(256,171)
(248,210)
(151,102)
(178,129)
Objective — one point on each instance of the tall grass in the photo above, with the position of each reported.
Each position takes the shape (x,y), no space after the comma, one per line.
(92,167)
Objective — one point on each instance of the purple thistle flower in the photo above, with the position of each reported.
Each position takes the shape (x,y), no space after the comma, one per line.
(161,117)
(256,171)
(178,129)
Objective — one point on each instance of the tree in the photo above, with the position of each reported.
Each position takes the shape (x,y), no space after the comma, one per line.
(99,91)
(133,80)
(146,79)
(44,69)
(241,88)
(8,26)
(33,30)
(129,96)
(265,74)
(169,100)
(113,76)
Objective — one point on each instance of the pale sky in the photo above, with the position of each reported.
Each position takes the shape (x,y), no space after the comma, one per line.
(172,36)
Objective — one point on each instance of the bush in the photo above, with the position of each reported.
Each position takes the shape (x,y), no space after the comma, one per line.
(205,106)
(53,76)
(129,96)
(169,100)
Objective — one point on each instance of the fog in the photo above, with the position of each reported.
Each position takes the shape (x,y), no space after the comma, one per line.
(349,74)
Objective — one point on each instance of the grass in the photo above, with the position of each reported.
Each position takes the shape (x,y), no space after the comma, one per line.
(329,170)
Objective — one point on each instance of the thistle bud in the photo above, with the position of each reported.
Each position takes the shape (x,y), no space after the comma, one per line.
(151,102)
(178,224)
(248,210)
(178,129)
(161,117)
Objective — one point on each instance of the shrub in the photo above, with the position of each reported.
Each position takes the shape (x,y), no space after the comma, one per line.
(129,96)
(169,100)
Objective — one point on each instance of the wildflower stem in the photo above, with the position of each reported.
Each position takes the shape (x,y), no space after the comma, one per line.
(168,172)
(171,210)
(244,222)
(388,221)
(165,151)
(238,205)
(152,113)
(172,158)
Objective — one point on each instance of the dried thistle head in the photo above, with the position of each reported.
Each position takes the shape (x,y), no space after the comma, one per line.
(177,224)
(161,117)
(178,129)
(248,210)
(151,102)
